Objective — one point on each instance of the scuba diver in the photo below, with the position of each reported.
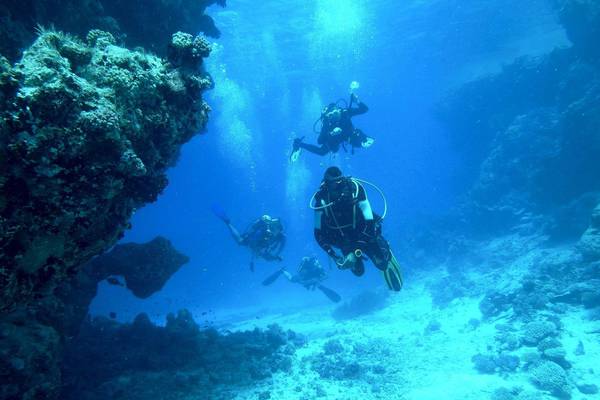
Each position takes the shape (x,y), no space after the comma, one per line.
(264,237)
(336,130)
(310,274)
(344,219)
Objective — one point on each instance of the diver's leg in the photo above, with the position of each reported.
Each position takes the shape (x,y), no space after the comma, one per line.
(380,253)
(235,233)
(273,277)
(319,150)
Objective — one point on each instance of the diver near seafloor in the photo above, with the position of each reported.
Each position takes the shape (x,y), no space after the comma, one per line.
(310,274)
(337,129)
(264,237)
(344,220)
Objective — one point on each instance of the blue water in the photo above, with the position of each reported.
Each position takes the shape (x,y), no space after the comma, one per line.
(275,66)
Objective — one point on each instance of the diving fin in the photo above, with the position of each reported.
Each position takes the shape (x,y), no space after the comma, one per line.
(392,274)
(272,278)
(220,213)
(331,295)
(296,150)
(295,154)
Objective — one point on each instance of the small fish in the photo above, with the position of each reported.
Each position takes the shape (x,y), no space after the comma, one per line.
(114,281)
(112,315)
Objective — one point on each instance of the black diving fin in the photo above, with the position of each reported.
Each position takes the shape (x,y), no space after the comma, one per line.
(219,212)
(331,295)
(272,278)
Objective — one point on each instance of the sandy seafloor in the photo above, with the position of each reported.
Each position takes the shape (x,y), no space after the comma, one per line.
(419,364)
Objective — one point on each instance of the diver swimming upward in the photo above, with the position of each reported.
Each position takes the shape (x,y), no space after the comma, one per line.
(344,219)
(336,131)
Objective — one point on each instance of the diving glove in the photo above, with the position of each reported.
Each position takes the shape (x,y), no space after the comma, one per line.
(368,142)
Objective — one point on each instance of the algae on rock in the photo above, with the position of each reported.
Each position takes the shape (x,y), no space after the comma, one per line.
(86,139)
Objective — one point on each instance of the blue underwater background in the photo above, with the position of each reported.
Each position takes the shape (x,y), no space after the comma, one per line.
(125,124)
(276,66)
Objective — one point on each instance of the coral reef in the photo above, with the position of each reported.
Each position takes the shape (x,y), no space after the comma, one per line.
(531,143)
(551,377)
(352,361)
(133,24)
(86,137)
(32,338)
(137,360)
(87,131)
(589,243)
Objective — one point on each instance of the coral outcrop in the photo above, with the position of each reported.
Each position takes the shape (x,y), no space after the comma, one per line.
(145,267)
(141,360)
(148,24)
(589,243)
(33,337)
(529,133)
(88,130)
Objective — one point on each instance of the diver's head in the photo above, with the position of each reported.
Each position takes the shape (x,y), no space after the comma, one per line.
(332,178)
(332,174)
(334,115)
(266,218)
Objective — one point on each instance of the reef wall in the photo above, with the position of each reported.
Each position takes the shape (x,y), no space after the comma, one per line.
(147,24)
(530,137)
(88,128)
(34,337)
(140,360)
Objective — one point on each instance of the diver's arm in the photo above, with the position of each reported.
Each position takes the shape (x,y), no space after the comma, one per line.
(320,238)
(363,202)
(272,252)
(360,109)
(365,208)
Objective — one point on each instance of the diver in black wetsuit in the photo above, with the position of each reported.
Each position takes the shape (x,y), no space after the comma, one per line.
(336,130)
(310,274)
(344,219)
(265,238)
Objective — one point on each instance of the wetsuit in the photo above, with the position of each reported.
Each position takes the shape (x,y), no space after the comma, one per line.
(344,219)
(330,139)
(265,238)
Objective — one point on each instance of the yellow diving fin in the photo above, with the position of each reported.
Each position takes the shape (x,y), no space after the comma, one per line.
(393,275)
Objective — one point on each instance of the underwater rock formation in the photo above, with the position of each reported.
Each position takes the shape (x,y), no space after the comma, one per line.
(148,24)
(589,243)
(141,360)
(145,267)
(87,132)
(33,338)
(528,133)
